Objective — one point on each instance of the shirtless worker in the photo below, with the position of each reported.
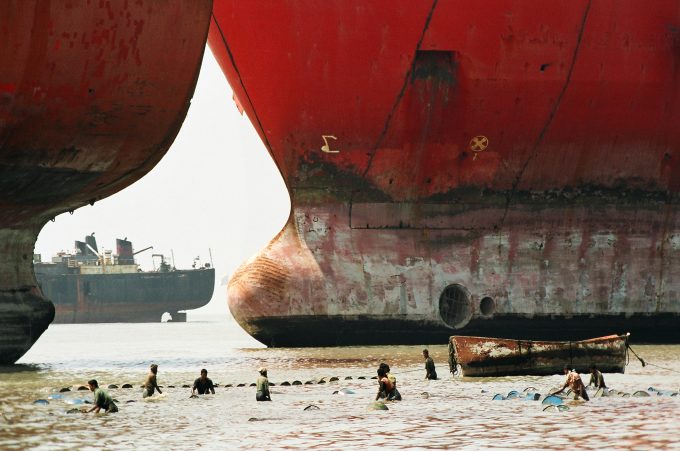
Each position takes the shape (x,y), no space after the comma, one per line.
(102,399)
(203,385)
(387,388)
(596,378)
(430,372)
(151,384)
(388,373)
(575,383)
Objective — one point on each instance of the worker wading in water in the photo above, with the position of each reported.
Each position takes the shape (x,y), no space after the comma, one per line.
(596,378)
(430,372)
(575,383)
(387,385)
(262,393)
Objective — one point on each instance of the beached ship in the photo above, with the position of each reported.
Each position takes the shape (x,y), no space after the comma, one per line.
(93,286)
(460,167)
(92,94)
(454,166)
(485,356)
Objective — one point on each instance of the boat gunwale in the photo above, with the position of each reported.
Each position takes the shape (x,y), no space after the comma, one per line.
(589,340)
(526,363)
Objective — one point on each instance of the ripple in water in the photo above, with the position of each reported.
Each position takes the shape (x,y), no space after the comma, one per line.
(457,412)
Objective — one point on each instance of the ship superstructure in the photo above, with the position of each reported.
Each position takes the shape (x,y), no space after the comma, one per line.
(93,286)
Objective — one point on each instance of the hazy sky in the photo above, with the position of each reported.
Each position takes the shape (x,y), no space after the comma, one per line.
(217,188)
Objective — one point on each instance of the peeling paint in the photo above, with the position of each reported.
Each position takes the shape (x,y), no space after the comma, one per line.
(569,215)
(90,100)
(479,356)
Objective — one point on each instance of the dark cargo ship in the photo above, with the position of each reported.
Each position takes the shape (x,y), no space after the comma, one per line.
(90,286)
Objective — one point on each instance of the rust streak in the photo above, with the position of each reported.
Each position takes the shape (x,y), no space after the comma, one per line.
(397,100)
(551,115)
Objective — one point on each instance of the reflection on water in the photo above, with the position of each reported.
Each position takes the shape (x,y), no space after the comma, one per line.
(455,412)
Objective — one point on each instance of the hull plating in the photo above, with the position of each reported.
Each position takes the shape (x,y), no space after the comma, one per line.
(461,167)
(92,95)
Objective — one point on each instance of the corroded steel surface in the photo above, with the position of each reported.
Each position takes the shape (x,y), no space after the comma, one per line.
(489,168)
(92,94)
(482,356)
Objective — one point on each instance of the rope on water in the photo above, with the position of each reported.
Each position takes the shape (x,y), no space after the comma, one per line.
(644,364)
(663,368)
(320,381)
(628,348)
(453,363)
(409,371)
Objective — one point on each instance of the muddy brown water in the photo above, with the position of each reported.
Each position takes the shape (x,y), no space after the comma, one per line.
(454,412)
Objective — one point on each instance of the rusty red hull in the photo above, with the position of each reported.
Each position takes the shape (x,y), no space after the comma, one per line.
(92,95)
(477,168)
(492,357)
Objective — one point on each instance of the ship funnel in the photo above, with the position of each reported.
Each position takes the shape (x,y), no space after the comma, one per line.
(91,243)
(92,251)
(124,251)
(81,248)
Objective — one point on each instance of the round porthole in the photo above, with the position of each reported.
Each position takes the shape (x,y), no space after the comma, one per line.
(454,306)
(487,306)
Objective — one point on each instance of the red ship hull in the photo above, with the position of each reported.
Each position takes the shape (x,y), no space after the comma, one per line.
(92,94)
(457,167)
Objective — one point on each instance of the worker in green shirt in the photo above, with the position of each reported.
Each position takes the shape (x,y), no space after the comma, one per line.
(263,386)
(430,372)
(102,399)
(596,378)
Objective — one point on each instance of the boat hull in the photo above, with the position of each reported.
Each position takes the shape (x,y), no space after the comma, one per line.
(462,167)
(494,357)
(125,298)
(90,100)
